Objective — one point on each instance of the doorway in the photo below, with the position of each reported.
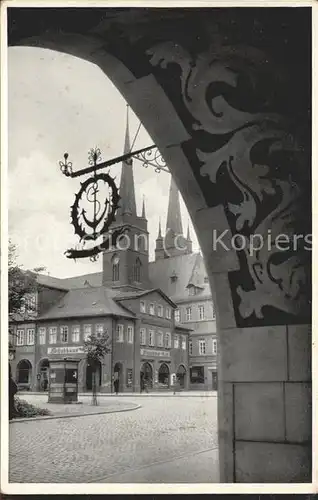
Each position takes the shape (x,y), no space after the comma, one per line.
(163,376)
(181,376)
(89,376)
(146,375)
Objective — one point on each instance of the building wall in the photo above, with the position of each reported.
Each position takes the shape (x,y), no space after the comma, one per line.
(204,329)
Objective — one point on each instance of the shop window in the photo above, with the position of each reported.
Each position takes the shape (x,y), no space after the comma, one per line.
(197,375)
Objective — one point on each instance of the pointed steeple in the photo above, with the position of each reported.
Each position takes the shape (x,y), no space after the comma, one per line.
(143,212)
(127,185)
(174,222)
(159,231)
(188,232)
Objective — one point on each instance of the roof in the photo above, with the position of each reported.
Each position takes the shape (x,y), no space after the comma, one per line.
(137,294)
(93,279)
(85,302)
(186,267)
(51,282)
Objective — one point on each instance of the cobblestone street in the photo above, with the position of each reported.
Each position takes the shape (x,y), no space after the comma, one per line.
(168,439)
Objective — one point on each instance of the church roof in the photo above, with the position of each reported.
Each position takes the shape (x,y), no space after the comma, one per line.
(85,302)
(137,294)
(186,268)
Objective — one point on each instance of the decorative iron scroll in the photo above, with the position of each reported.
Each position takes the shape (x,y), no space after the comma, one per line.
(91,217)
(93,220)
(152,158)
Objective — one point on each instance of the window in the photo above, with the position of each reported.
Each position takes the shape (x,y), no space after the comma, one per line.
(167,340)
(52,335)
(42,335)
(188,313)
(137,270)
(64,334)
(213,311)
(201,312)
(191,290)
(20,337)
(197,375)
(151,309)
(160,339)
(142,307)
(99,330)
(176,341)
(214,346)
(190,347)
(87,331)
(120,333)
(168,313)
(184,343)
(177,315)
(75,333)
(142,336)
(130,334)
(160,311)
(151,338)
(201,347)
(115,268)
(30,303)
(206,279)
(30,336)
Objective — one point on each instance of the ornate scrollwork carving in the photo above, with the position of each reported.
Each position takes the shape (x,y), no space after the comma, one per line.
(260,157)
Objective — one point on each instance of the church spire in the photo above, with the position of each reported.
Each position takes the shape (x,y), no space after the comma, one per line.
(143,212)
(174,222)
(127,185)
(188,232)
(159,231)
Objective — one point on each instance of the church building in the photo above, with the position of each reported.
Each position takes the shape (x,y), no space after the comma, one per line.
(158,316)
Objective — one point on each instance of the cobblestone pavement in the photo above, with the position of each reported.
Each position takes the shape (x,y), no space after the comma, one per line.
(156,438)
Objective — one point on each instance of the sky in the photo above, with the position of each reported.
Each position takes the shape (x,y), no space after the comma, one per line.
(59,103)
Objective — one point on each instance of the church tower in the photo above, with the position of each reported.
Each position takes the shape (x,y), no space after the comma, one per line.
(126,265)
(174,243)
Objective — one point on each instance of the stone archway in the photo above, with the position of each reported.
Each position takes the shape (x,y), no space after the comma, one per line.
(181,376)
(24,373)
(146,376)
(216,98)
(163,376)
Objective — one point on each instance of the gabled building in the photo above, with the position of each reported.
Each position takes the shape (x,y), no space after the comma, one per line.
(159,315)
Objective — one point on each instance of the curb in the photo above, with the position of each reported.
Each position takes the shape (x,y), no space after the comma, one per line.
(52,417)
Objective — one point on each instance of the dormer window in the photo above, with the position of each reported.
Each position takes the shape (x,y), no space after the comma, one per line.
(173,277)
(206,279)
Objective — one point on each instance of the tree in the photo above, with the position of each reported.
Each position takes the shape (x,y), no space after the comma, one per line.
(21,283)
(96,348)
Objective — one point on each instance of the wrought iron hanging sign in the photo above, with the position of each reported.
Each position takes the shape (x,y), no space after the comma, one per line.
(97,201)
(94,208)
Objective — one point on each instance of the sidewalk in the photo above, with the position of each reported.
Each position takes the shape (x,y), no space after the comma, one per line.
(80,409)
(162,394)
